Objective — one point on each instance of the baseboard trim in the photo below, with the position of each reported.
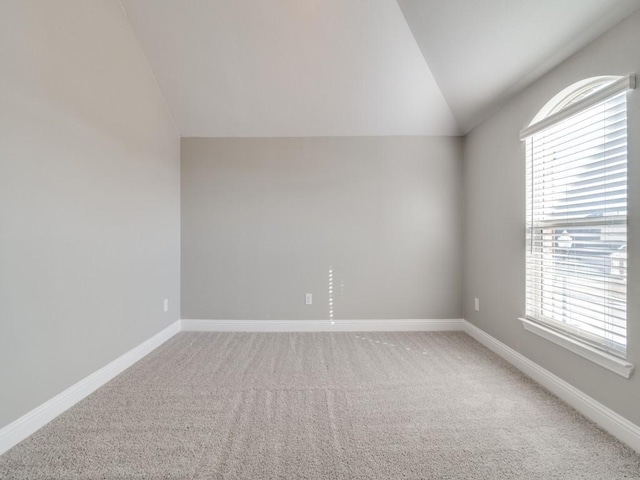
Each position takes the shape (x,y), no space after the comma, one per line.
(615,424)
(37,418)
(377,325)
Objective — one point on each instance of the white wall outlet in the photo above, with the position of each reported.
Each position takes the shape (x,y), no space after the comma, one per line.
(166,304)
(308,299)
(477,305)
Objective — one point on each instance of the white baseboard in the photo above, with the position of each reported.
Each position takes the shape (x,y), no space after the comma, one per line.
(37,418)
(615,424)
(377,325)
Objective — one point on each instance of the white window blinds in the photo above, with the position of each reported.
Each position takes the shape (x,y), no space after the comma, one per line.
(576,262)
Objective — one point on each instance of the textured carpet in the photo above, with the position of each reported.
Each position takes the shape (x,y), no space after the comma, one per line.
(321,406)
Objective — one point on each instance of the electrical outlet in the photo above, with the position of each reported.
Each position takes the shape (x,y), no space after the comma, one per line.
(308,299)
(166,304)
(477,305)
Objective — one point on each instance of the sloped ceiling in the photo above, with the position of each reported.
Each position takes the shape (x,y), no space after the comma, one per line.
(483,51)
(290,68)
(281,68)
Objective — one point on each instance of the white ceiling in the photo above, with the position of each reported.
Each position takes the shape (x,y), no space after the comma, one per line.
(289,68)
(483,51)
(283,68)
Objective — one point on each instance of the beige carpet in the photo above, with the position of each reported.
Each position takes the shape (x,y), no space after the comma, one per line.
(321,406)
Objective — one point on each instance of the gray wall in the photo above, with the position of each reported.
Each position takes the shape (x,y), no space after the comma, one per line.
(265,220)
(494,221)
(89,197)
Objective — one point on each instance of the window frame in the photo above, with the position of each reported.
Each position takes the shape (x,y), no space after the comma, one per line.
(571,102)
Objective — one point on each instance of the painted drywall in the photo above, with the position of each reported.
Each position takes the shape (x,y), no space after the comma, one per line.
(369,225)
(494,221)
(89,197)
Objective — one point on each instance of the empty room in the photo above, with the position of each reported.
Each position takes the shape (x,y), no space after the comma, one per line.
(319,239)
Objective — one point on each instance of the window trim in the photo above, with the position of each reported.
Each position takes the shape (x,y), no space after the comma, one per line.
(606,360)
(563,106)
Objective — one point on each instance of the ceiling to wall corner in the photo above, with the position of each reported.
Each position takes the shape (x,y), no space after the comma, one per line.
(481,52)
(283,68)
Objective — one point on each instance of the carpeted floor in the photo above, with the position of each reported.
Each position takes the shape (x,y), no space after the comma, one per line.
(321,406)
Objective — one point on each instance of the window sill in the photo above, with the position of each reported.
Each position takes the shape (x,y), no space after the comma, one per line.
(605,360)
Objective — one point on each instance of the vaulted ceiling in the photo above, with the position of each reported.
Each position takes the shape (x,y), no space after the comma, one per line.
(483,51)
(283,68)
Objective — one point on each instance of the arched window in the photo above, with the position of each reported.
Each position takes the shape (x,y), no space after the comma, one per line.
(576,260)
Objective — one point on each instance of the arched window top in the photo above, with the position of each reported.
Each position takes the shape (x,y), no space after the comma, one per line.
(574,93)
(576,98)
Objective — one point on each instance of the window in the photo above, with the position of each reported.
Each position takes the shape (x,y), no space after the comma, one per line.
(576,260)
